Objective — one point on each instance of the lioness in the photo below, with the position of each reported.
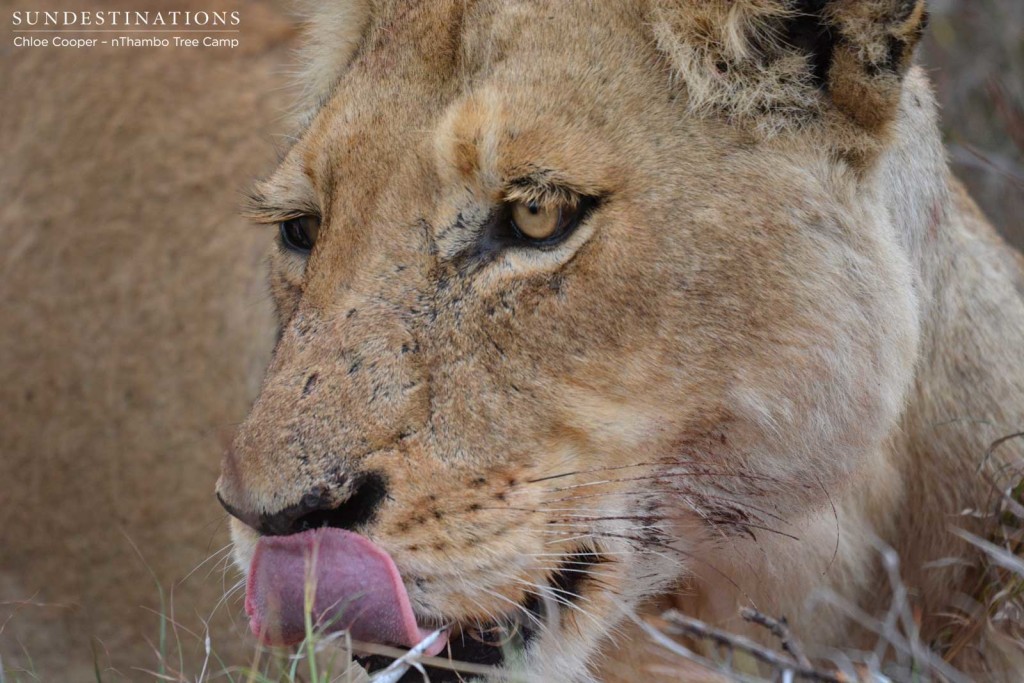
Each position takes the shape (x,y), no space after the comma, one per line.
(587,308)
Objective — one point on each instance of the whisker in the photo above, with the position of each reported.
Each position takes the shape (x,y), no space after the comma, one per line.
(571,570)
(579,554)
(573,538)
(533,588)
(592,470)
(515,604)
(550,592)
(667,475)
(209,557)
(645,545)
(714,497)
(240,585)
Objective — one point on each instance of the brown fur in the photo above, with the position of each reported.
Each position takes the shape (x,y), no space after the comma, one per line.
(727,383)
(782,305)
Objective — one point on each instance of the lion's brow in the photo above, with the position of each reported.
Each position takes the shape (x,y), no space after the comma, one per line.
(262,208)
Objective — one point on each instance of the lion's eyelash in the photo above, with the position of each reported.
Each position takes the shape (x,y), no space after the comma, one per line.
(548,188)
(261,209)
(546,196)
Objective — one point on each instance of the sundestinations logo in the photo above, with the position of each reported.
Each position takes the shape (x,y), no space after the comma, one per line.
(124,19)
(126,28)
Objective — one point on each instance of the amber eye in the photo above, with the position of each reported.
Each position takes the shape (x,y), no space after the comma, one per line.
(534,221)
(299,234)
(546,226)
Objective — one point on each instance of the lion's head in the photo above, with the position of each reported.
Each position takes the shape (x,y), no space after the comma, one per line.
(575,299)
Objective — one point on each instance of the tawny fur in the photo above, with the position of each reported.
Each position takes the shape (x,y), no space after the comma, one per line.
(765,322)
(783,304)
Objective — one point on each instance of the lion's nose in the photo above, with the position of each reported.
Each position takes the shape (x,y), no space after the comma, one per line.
(320,507)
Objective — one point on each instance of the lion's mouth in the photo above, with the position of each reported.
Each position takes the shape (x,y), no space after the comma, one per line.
(488,644)
(330,580)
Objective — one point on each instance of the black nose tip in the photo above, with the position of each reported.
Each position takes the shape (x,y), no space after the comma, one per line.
(320,508)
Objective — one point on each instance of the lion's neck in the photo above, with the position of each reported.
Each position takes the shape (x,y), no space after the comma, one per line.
(969,388)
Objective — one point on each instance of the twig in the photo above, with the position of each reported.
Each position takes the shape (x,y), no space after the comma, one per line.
(693,627)
(410,659)
(438,662)
(780,629)
(682,651)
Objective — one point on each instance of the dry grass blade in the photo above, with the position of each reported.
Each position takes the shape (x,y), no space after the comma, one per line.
(1001,556)
(688,626)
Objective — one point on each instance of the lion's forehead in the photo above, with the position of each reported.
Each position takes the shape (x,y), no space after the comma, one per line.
(458,77)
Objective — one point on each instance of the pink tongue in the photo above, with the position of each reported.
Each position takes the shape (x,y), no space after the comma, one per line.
(357,588)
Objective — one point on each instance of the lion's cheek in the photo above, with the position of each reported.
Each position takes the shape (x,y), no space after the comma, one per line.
(821,409)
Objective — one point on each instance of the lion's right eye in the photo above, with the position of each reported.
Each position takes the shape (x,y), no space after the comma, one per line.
(546,226)
(299,234)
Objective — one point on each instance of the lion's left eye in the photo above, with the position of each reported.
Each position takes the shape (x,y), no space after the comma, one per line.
(544,225)
(299,234)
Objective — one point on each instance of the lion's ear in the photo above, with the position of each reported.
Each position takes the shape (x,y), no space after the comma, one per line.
(872,48)
(777,63)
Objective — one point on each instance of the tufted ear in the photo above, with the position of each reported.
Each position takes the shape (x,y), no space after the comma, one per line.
(868,48)
(784,63)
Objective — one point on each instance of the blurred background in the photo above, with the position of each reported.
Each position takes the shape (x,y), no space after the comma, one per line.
(134,323)
(974,52)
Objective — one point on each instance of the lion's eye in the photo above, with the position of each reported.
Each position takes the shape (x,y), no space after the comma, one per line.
(535,222)
(299,234)
(544,225)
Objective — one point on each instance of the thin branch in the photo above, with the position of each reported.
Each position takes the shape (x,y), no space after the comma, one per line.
(780,629)
(410,659)
(695,628)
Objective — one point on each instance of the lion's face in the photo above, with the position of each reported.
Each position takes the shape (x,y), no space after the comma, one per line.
(559,342)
